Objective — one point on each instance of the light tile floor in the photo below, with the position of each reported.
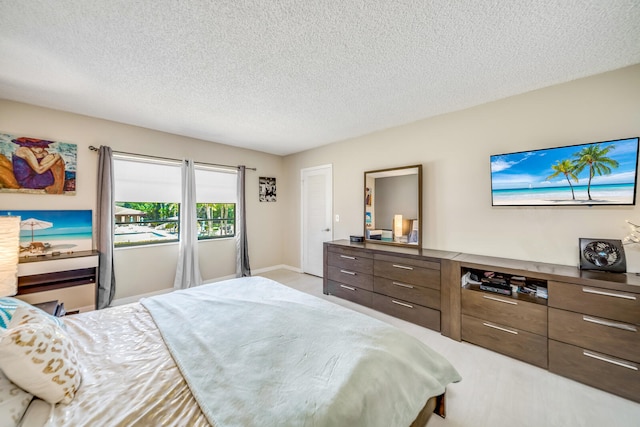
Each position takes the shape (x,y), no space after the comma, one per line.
(497,391)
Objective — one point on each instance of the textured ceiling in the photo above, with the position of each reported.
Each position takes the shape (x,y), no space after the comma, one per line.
(284,76)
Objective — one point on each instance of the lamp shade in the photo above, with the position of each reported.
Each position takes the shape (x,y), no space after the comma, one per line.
(397,225)
(9,252)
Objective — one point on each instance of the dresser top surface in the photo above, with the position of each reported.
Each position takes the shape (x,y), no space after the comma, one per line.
(397,250)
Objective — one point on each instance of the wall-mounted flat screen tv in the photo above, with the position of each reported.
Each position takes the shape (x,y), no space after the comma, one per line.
(599,173)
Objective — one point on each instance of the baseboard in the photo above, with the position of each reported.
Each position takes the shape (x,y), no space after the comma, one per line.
(277,267)
(257,271)
(136,298)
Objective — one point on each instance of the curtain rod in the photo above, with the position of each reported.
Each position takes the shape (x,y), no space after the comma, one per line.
(92,148)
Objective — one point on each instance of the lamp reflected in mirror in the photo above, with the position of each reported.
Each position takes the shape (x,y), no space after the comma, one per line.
(401,229)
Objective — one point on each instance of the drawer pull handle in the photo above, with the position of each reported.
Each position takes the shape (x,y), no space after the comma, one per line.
(348,272)
(499,300)
(404,267)
(499,328)
(348,287)
(602,322)
(609,360)
(347,257)
(402,285)
(402,303)
(608,294)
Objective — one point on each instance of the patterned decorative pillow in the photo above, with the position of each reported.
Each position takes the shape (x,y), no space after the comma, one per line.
(8,306)
(29,314)
(38,355)
(13,402)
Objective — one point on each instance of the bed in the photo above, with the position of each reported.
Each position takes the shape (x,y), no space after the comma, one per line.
(242,352)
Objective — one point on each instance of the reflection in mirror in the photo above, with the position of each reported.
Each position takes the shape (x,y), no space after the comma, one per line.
(393,205)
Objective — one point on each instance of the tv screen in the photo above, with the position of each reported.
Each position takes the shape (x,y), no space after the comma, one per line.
(599,173)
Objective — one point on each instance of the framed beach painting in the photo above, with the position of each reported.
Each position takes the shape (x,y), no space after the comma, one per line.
(599,173)
(37,166)
(53,232)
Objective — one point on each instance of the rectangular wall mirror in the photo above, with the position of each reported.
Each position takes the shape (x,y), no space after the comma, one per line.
(393,206)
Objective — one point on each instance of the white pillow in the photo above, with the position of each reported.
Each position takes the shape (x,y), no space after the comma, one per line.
(38,355)
(13,402)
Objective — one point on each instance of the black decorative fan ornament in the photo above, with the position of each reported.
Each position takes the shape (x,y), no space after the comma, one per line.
(603,255)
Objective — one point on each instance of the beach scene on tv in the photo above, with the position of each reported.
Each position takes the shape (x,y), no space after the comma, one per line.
(49,232)
(601,173)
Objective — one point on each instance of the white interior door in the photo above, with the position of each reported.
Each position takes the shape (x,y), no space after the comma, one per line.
(317,208)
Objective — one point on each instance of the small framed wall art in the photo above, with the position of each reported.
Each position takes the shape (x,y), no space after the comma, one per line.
(267,189)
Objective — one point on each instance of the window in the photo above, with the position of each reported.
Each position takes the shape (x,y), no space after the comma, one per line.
(216,207)
(216,220)
(147,195)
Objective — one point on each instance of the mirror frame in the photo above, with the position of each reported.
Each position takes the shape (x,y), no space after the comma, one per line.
(409,245)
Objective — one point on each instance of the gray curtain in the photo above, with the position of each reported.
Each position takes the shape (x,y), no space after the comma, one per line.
(188,270)
(106,286)
(242,248)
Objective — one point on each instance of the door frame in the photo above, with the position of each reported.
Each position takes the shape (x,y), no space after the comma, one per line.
(302,208)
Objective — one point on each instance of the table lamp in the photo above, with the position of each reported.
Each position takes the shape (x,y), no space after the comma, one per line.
(9,252)
(397,226)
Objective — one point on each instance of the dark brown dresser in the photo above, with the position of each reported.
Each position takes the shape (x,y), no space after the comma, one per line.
(593,336)
(400,281)
(583,325)
(585,329)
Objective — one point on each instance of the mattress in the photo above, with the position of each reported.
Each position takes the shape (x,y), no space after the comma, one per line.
(128,376)
(258,361)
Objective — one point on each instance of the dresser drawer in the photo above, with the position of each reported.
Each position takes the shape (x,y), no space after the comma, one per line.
(421,262)
(351,278)
(407,273)
(603,335)
(410,312)
(352,251)
(516,343)
(351,293)
(596,369)
(351,262)
(407,292)
(505,310)
(617,305)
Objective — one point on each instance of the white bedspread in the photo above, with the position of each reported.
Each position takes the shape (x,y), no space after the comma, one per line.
(257,353)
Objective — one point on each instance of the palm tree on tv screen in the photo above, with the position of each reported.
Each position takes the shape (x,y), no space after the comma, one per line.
(567,168)
(597,160)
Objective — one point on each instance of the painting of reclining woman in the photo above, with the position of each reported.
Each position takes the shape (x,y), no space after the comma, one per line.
(37,166)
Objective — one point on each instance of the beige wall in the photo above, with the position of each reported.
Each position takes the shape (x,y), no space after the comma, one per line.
(149,269)
(454,150)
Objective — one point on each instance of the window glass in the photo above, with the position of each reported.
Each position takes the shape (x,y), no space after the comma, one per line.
(216,220)
(147,194)
(216,207)
(142,223)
